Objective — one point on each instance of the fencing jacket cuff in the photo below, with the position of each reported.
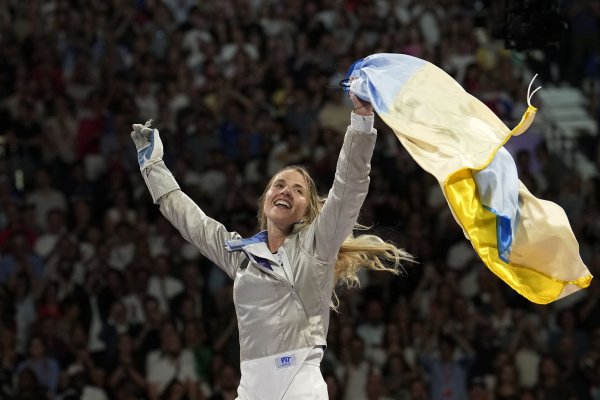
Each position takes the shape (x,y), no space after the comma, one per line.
(159,180)
(362,123)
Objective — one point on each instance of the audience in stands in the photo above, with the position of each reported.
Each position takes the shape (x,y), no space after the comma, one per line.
(100,299)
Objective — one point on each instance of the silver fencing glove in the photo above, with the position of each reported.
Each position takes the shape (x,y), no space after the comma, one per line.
(150,152)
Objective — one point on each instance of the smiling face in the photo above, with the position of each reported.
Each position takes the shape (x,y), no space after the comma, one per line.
(286,200)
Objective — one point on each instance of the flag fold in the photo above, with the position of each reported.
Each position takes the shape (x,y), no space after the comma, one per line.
(526,241)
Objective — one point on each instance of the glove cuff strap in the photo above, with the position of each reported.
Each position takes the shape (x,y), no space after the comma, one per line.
(159,180)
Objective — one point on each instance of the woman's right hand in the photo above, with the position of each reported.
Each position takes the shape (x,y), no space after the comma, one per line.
(148,144)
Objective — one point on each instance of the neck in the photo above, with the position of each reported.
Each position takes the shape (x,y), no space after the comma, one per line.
(276,237)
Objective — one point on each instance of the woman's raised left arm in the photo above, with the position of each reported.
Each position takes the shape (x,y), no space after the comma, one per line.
(351,183)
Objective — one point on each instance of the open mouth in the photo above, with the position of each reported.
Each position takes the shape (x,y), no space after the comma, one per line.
(283,204)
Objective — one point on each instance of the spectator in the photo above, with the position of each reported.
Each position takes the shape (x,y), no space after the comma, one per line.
(375,389)
(25,134)
(28,386)
(122,247)
(64,267)
(354,372)
(478,391)
(55,347)
(568,363)
(290,151)
(25,310)
(551,385)
(372,330)
(334,389)
(115,325)
(526,346)
(48,302)
(83,219)
(121,211)
(78,386)
(16,223)
(59,133)
(55,228)
(171,371)
(20,259)
(418,390)
(194,290)
(507,382)
(77,348)
(162,285)
(226,384)
(397,376)
(45,197)
(567,326)
(195,340)
(125,368)
(45,369)
(134,300)
(448,372)
(148,335)
(590,362)
(8,360)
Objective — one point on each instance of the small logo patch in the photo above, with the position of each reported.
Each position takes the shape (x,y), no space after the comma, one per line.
(285,361)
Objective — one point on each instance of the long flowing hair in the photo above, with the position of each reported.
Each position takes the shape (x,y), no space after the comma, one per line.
(363,251)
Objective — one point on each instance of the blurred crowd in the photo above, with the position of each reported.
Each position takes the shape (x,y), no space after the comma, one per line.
(100,298)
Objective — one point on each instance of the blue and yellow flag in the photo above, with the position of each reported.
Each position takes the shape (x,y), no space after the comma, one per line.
(525,241)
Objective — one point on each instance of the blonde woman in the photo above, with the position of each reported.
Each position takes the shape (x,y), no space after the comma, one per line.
(284,276)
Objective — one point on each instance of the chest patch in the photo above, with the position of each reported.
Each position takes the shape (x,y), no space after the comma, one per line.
(285,361)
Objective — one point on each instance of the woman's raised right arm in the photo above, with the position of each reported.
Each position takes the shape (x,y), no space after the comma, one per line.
(194,225)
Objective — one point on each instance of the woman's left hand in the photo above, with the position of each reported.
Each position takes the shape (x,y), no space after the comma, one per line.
(361,107)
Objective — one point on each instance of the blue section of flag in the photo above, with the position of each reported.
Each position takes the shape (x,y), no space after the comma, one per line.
(505,237)
(504,234)
(498,189)
(376,86)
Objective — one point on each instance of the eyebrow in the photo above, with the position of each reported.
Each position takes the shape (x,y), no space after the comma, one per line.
(294,185)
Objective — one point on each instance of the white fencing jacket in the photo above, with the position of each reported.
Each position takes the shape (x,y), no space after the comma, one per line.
(282,300)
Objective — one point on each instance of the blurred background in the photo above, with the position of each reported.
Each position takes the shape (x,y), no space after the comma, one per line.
(100,298)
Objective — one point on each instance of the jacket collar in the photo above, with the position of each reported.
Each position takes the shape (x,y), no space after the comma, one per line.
(256,250)
(255,245)
(239,244)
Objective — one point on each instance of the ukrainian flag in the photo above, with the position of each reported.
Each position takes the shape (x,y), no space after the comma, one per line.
(525,241)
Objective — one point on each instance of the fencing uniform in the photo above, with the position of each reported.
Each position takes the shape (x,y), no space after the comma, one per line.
(282,300)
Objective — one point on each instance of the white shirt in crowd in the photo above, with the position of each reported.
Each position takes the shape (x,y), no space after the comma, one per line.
(164,289)
(161,369)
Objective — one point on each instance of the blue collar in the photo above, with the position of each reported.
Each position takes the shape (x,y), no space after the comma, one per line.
(238,244)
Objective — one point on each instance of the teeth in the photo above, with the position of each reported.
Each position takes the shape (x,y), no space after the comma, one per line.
(283,203)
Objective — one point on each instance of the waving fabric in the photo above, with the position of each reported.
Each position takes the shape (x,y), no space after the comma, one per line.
(525,241)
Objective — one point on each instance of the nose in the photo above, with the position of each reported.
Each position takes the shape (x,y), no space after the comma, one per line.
(284,190)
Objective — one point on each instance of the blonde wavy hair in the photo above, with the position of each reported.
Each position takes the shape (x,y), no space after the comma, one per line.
(363,251)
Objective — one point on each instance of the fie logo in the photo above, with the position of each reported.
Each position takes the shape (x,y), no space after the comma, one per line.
(285,361)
